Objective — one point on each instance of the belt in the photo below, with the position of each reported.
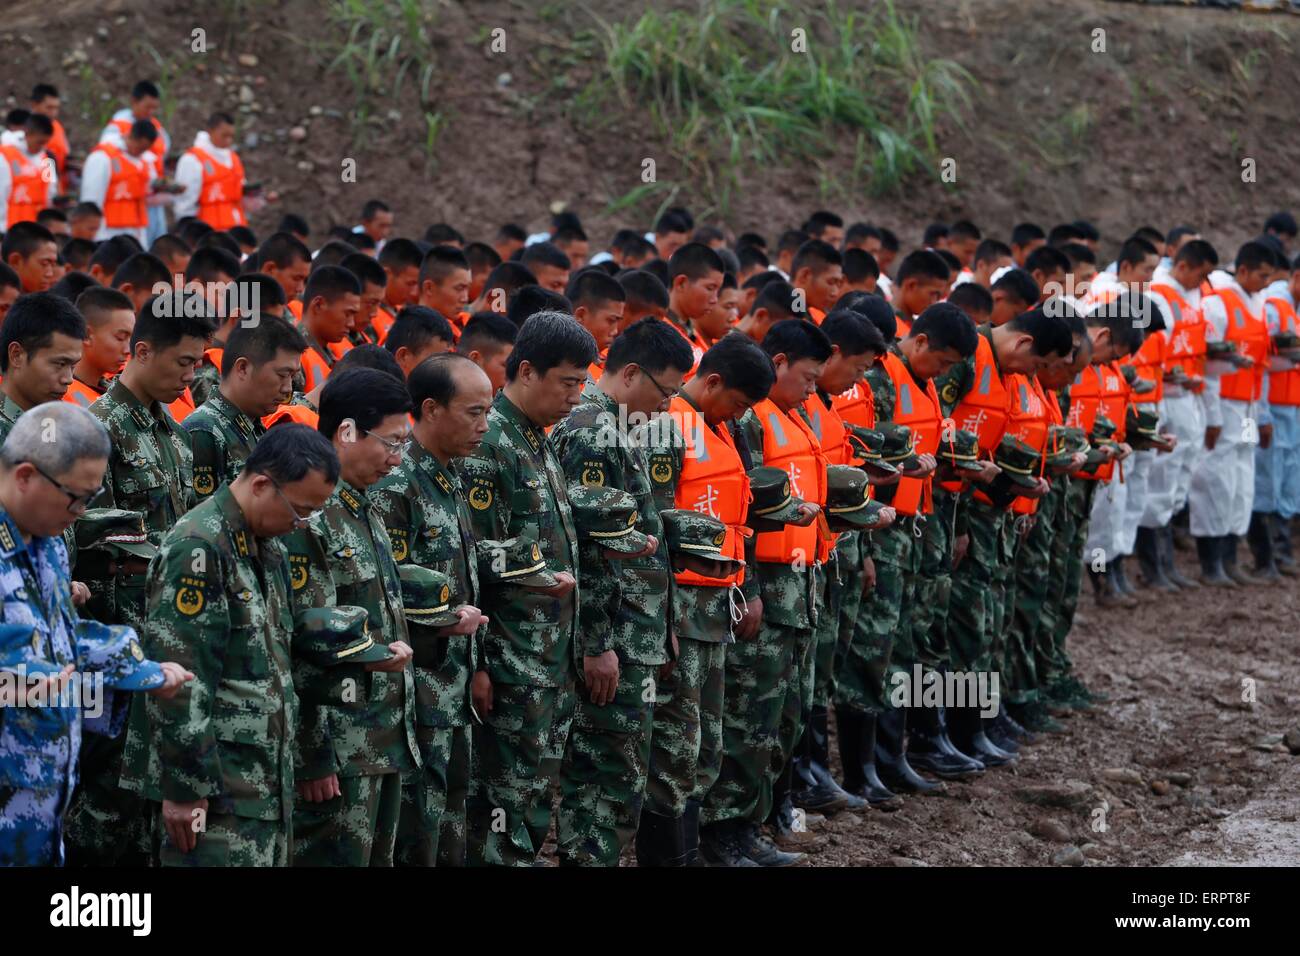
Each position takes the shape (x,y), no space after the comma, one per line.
(99,565)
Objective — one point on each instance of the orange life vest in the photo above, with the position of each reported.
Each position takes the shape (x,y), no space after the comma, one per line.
(57,147)
(1027,419)
(157,149)
(128,187)
(1149,360)
(1186,348)
(221,200)
(917,408)
(857,406)
(315,369)
(903,327)
(790,445)
(1099,389)
(182,407)
(829,428)
(295,309)
(79,393)
(28,188)
(340,348)
(816,315)
(300,414)
(1251,335)
(213,357)
(380,322)
(1284,387)
(712,482)
(984,409)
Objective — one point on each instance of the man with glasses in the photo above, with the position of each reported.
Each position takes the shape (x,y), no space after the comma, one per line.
(623,603)
(219,602)
(257,368)
(44,486)
(150,471)
(354,755)
(424,508)
(41,341)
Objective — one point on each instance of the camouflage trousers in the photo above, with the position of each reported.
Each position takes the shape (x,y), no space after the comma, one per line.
(106,825)
(975,605)
(882,613)
(1033,583)
(838,614)
(358,828)
(1004,607)
(518,751)
(929,606)
(431,827)
(686,740)
(603,777)
(31,826)
(757,680)
(1068,561)
(797,709)
(228,840)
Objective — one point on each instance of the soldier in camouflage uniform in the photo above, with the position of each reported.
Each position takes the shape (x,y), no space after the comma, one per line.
(216,761)
(523,689)
(423,506)
(258,292)
(150,471)
(690,448)
(355,753)
(43,485)
(624,598)
(260,360)
(36,323)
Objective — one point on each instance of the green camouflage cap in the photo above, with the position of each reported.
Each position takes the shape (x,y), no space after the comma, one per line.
(773,505)
(328,636)
(1103,430)
(1224,351)
(867,444)
(1018,461)
(1136,382)
(112,529)
(523,562)
(1177,376)
(1285,341)
(426,596)
(1069,441)
(1140,427)
(899,445)
(695,540)
(959,449)
(607,517)
(849,505)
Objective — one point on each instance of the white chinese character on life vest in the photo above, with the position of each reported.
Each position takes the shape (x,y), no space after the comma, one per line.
(972,423)
(1181,344)
(706,501)
(216,193)
(794,480)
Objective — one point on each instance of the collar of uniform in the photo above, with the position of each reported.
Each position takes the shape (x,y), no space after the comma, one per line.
(595,395)
(241,536)
(11,538)
(230,411)
(682,325)
(146,416)
(314,345)
(10,409)
(533,436)
(427,462)
(355,501)
(301,399)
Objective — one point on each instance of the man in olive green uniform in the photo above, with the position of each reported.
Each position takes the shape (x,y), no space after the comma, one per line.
(423,506)
(151,471)
(624,598)
(258,363)
(218,757)
(516,488)
(354,754)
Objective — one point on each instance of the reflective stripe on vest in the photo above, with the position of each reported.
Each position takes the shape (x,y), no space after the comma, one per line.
(713,482)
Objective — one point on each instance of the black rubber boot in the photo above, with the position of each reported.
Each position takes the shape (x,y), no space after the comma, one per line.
(1165,546)
(1124,591)
(1260,538)
(724,844)
(1102,590)
(761,850)
(691,834)
(857,737)
(659,841)
(820,759)
(1035,717)
(810,790)
(1282,555)
(971,733)
(1150,566)
(891,755)
(1211,558)
(1008,726)
(1228,555)
(926,748)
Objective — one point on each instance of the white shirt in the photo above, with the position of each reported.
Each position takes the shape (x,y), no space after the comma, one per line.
(189,174)
(95,177)
(19,142)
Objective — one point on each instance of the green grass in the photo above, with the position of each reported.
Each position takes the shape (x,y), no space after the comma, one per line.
(723,85)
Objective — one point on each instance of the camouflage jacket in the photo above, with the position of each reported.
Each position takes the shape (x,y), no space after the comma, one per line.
(424,509)
(150,470)
(515,487)
(343,557)
(222,438)
(787,589)
(218,603)
(207,379)
(624,604)
(9,413)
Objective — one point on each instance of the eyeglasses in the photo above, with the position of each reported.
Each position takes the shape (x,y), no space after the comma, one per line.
(398,447)
(77,501)
(662,391)
(299,520)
